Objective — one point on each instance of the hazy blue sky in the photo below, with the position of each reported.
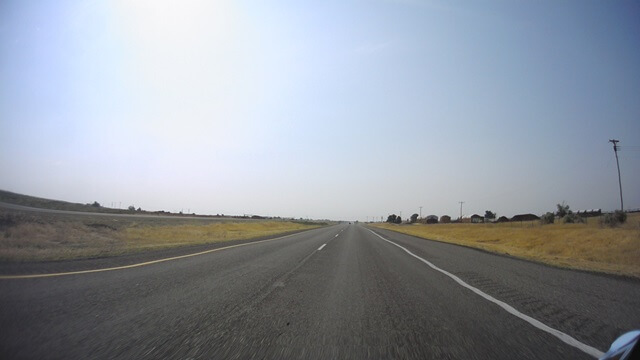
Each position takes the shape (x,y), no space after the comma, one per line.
(323,109)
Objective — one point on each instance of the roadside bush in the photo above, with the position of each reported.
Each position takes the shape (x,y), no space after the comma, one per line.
(572,218)
(563,210)
(547,218)
(615,218)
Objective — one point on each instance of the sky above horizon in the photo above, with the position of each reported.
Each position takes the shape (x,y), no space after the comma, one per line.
(344,110)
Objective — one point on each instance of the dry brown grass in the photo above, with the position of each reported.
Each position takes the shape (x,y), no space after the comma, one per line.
(589,246)
(42,237)
(150,237)
(45,241)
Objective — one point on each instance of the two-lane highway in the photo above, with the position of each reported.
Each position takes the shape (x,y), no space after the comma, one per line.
(341,291)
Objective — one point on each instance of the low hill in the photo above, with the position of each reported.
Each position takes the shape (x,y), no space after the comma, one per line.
(36,202)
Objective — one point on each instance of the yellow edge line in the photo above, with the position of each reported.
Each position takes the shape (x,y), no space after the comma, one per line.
(34,276)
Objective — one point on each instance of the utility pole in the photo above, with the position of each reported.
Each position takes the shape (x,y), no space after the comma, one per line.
(615,150)
(461,202)
(420,212)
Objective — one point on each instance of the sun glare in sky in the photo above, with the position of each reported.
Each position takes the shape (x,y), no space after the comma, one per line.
(340,109)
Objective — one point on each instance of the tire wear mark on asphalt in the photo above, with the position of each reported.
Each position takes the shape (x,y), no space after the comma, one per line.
(241,309)
(290,326)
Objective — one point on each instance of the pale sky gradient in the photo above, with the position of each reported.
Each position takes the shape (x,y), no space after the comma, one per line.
(325,109)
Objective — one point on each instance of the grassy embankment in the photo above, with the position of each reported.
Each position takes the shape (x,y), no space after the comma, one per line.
(589,246)
(36,202)
(28,236)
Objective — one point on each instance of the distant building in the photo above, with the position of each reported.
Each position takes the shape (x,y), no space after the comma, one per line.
(431,219)
(589,213)
(445,219)
(502,219)
(525,217)
(475,219)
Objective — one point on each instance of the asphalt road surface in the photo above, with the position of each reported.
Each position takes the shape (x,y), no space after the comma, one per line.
(335,292)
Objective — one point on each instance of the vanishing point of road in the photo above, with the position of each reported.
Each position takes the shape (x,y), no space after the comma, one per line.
(343,291)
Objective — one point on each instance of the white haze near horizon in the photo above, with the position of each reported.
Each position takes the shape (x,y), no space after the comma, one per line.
(341,109)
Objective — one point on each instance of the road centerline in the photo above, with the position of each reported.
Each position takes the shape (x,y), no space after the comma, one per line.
(322,247)
(568,339)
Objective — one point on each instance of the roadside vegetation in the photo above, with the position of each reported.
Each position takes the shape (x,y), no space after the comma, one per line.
(151,237)
(609,243)
(30,236)
(36,202)
(96,207)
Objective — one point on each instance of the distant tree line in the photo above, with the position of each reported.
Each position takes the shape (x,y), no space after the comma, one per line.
(562,213)
(394,219)
(567,216)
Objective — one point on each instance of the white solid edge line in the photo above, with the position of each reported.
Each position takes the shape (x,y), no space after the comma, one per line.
(36,276)
(322,247)
(510,309)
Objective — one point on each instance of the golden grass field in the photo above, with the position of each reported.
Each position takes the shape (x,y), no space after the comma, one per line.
(149,237)
(44,237)
(589,246)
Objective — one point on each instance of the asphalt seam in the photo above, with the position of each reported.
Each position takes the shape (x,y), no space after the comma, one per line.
(510,309)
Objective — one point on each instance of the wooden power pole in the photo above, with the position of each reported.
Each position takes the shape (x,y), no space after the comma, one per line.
(615,150)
